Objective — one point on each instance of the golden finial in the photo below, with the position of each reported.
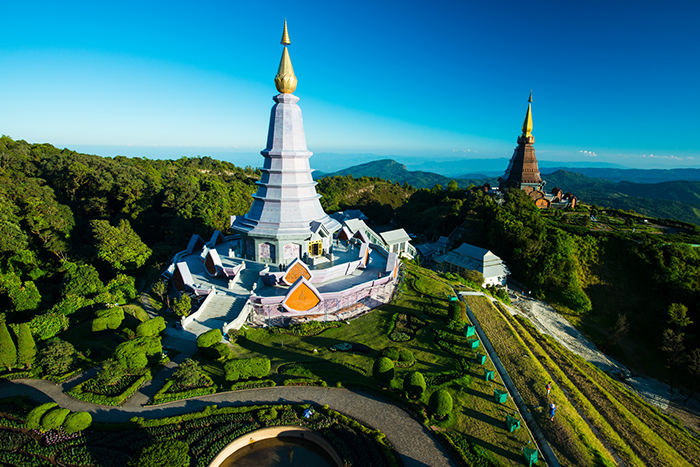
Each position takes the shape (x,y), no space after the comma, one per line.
(527,124)
(285,81)
(285,34)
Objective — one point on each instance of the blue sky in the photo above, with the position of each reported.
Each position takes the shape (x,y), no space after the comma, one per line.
(612,81)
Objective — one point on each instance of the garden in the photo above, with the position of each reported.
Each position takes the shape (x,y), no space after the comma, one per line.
(47,435)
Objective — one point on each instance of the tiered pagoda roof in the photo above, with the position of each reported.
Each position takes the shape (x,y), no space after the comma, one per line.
(286,205)
(522,171)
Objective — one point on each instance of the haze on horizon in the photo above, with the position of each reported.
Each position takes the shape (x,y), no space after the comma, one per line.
(612,82)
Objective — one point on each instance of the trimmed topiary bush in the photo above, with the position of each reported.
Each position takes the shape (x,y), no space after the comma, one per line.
(109,318)
(54,418)
(383,370)
(414,384)
(440,403)
(131,356)
(8,351)
(151,345)
(457,311)
(219,350)
(392,353)
(33,420)
(26,347)
(247,368)
(77,421)
(151,327)
(209,338)
(406,356)
(267,414)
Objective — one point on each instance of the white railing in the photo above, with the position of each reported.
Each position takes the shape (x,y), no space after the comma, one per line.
(185,320)
(240,319)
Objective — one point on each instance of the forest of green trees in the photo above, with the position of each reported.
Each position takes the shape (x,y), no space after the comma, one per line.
(82,231)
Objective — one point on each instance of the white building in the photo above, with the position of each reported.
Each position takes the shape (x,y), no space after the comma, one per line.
(473,258)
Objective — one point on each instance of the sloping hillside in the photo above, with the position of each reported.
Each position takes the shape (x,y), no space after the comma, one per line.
(391,170)
(669,200)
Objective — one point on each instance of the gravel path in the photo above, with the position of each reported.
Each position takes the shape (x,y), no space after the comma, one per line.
(548,321)
(413,442)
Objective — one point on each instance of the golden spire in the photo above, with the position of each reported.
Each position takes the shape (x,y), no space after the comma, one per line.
(527,124)
(285,81)
(285,34)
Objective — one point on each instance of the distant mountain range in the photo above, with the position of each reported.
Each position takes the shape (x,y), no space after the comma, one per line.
(389,169)
(673,193)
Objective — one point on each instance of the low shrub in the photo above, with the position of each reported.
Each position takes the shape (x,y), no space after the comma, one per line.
(33,420)
(109,318)
(383,370)
(54,418)
(267,414)
(78,392)
(77,421)
(414,384)
(440,403)
(399,336)
(305,382)
(209,338)
(219,350)
(151,327)
(164,395)
(252,384)
(256,367)
(309,329)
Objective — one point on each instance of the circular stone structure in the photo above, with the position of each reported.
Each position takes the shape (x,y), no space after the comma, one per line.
(275,440)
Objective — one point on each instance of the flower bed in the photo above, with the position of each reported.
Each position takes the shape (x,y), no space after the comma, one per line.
(206,433)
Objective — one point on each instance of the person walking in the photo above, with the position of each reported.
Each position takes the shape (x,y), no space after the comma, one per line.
(548,387)
(552,410)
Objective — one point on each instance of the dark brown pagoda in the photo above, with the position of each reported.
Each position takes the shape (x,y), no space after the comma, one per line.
(522,171)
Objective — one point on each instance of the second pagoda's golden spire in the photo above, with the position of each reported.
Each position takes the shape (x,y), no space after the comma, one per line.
(527,124)
(285,81)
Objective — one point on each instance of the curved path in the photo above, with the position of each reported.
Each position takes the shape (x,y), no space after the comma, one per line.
(413,442)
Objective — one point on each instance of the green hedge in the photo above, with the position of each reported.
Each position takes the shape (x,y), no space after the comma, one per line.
(78,393)
(54,418)
(33,420)
(383,370)
(77,421)
(414,384)
(110,318)
(305,382)
(253,384)
(440,403)
(209,338)
(219,350)
(163,396)
(151,327)
(256,367)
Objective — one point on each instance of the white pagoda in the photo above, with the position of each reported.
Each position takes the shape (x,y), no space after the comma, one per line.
(286,220)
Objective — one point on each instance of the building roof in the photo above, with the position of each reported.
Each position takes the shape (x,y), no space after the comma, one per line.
(393,237)
(355,224)
(342,216)
(477,259)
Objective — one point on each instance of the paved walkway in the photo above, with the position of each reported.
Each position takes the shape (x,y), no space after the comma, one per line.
(414,443)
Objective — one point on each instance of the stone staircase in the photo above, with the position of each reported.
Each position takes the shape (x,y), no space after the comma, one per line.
(226,305)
